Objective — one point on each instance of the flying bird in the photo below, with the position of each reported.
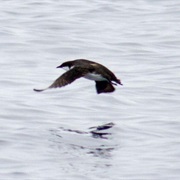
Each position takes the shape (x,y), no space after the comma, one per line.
(103,77)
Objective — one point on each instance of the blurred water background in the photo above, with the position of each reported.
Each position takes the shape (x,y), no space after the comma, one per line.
(46,135)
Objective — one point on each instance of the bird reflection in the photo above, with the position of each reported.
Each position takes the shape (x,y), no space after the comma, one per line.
(104,152)
(97,131)
(97,148)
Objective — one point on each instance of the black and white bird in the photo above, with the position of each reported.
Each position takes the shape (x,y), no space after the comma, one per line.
(103,77)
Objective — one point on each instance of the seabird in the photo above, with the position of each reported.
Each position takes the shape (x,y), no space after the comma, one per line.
(103,77)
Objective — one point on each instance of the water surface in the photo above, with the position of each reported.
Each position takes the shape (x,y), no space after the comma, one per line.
(39,136)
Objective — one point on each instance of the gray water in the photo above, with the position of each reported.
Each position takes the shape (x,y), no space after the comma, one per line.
(46,135)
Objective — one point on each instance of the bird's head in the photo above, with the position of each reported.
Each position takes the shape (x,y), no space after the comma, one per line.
(66,65)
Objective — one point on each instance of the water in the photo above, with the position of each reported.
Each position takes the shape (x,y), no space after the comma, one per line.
(46,135)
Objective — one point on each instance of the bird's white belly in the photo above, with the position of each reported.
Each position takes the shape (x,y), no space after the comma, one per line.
(94,77)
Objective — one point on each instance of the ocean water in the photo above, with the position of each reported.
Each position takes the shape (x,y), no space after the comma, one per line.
(48,135)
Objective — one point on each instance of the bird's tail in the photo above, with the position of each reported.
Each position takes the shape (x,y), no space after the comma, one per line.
(119,81)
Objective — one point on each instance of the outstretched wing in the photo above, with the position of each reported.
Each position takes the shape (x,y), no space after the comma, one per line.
(67,78)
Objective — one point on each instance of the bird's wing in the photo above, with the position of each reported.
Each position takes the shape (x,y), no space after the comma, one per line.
(67,78)
(104,87)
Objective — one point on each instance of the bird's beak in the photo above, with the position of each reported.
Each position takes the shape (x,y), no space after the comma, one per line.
(58,66)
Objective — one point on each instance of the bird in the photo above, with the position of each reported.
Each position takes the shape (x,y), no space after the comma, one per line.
(75,69)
